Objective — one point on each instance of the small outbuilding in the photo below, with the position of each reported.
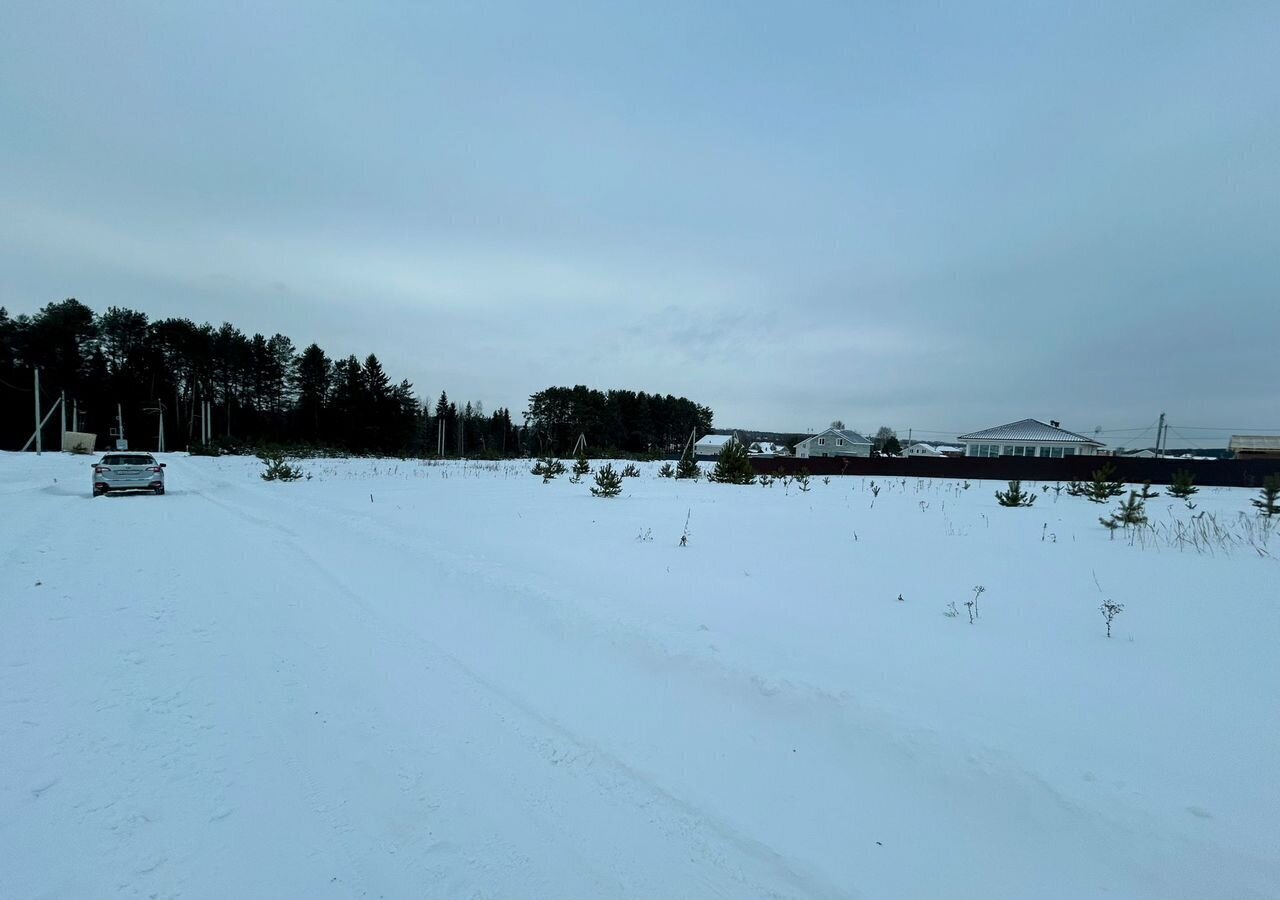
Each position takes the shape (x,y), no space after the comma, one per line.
(1254,446)
(934,450)
(709,445)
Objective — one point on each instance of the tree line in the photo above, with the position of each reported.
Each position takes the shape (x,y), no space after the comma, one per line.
(259,389)
(628,421)
(263,390)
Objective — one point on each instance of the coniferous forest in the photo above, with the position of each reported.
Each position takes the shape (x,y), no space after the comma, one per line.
(265,390)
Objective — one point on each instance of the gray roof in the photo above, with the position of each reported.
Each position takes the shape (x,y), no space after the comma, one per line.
(1254,442)
(1028,430)
(851,436)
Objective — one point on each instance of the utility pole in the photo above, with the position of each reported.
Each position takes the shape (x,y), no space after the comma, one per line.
(75,415)
(1159,432)
(39,443)
(120,426)
(158,409)
(62,407)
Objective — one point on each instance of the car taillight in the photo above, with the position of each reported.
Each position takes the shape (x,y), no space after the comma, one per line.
(155,468)
(101,469)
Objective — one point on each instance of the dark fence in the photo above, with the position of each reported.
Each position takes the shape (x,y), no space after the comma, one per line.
(1033,469)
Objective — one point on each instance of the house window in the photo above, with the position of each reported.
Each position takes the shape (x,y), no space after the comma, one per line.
(822,440)
(1068,451)
(840,442)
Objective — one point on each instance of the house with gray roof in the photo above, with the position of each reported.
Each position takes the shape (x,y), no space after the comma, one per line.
(834,442)
(1028,437)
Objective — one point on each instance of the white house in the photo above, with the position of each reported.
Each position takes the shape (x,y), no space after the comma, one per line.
(709,446)
(833,442)
(1028,437)
(934,450)
(766,449)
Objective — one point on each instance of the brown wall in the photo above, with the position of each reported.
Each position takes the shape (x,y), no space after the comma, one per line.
(1033,469)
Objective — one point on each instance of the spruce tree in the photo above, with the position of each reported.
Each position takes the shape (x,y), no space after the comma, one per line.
(733,466)
(608,482)
(1269,503)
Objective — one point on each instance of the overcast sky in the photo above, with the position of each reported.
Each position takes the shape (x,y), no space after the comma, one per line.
(933,216)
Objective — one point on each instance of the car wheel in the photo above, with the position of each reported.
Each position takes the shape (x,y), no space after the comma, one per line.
(159,491)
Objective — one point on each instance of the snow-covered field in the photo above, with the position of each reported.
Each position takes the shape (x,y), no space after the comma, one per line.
(408,680)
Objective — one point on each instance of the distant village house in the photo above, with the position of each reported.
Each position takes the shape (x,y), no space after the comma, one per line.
(1028,437)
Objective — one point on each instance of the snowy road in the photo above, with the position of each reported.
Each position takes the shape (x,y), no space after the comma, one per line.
(251,690)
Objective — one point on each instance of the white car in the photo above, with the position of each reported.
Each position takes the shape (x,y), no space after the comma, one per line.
(128,472)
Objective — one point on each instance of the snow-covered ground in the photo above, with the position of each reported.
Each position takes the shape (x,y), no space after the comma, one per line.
(398,679)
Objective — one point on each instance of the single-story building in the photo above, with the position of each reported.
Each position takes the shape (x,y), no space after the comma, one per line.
(919,448)
(1028,437)
(833,442)
(1254,446)
(766,449)
(709,446)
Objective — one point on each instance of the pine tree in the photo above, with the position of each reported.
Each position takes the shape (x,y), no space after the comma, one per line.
(548,467)
(1183,484)
(1015,496)
(1269,503)
(667,471)
(1129,513)
(1102,488)
(688,468)
(581,465)
(733,466)
(608,482)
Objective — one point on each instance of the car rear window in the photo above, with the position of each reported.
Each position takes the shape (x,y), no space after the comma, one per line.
(128,461)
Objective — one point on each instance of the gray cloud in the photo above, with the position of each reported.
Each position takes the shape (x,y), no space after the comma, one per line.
(937,219)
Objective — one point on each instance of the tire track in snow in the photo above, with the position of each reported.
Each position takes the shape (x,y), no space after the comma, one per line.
(624,785)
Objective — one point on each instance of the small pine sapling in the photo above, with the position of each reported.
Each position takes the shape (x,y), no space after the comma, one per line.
(1147,493)
(1129,513)
(1110,609)
(608,482)
(630,470)
(802,480)
(1015,496)
(667,471)
(581,465)
(276,467)
(826,479)
(1269,503)
(688,468)
(1103,486)
(766,481)
(548,467)
(733,466)
(1183,484)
